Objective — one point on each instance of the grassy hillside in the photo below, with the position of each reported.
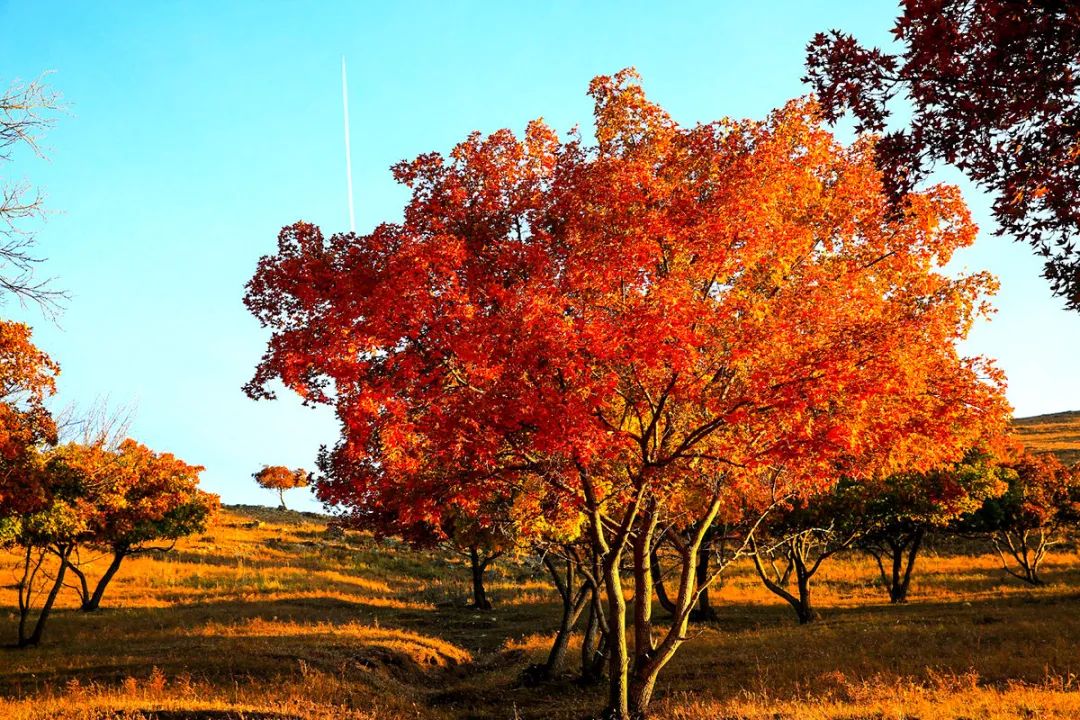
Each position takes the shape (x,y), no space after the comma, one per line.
(1058,433)
(269,616)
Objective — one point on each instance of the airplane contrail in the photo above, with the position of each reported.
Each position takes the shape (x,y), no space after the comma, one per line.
(348,151)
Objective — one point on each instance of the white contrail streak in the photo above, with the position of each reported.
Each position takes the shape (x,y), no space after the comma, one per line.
(348,151)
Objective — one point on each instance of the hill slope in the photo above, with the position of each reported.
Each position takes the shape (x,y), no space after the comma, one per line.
(1058,433)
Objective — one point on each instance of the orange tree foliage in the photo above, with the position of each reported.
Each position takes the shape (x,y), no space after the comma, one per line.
(119,501)
(626,337)
(280,478)
(131,500)
(27,378)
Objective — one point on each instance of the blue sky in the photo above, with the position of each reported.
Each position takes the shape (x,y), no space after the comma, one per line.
(198,129)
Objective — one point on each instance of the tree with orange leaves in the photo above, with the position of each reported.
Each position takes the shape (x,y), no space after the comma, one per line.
(280,478)
(133,501)
(27,379)
(629,337)
(897,513)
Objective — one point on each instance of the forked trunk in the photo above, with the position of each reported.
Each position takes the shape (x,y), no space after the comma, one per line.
(796,559)
(704,611)
(651,657)
(1028,548)
(63,552)
(574,602)
(901,553)
(594,642)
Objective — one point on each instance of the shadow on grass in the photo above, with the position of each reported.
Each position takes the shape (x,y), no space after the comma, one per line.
(750,647)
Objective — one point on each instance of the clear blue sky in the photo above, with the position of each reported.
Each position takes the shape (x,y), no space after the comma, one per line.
(198,129)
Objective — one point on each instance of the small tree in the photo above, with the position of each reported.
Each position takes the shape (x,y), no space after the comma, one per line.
(52,530)
(137,501)
(1030,517)
(280,478)
(30,515)
(899,511)
(802,535)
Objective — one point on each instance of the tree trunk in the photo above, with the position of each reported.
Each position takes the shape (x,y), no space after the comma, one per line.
(573,603)
(593,643)
(64,552)
(902,554)
(480,600)
(84,587)
(1027,558)
(654,657)
(804,610)
(281,498)
(704,611)
(658,583)
(800,603)
(618,651)
(94,602)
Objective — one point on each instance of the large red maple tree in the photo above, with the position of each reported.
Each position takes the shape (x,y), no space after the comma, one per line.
(623,337)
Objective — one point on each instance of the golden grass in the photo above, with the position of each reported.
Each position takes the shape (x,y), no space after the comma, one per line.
(268,616)
(1058,433)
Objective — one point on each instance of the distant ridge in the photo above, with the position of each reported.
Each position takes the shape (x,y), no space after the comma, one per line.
(1058,433)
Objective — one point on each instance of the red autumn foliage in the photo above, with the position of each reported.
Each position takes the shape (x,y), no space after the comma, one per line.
(625,339)
(994,89)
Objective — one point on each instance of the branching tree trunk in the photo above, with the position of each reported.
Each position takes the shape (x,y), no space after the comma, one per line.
(704,610)
(1028,548)
(594,641)
(899,551)
(33,567)
(650,656)
(803,554)
(574,600)
(478,564)
(91,600)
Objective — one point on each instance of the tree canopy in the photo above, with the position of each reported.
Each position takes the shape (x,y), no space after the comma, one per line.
(627,337)
(994,89)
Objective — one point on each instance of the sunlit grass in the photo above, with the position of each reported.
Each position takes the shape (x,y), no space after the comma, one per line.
(269,615)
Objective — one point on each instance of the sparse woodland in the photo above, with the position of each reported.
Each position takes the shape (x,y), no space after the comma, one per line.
(651,421)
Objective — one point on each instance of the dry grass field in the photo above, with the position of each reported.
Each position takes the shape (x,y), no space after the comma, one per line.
(267,615)
(1058,433)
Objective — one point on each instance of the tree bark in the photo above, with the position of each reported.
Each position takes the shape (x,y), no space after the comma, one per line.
(901,590)
(901,552)
(1027,558)
(647,665)
(593,643)
(94,602)
(704,611)
(573,603)
(658,583)
(478,566)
